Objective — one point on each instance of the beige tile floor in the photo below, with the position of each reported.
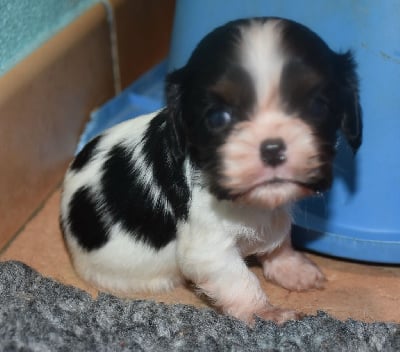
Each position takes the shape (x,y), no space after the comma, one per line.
(353,290)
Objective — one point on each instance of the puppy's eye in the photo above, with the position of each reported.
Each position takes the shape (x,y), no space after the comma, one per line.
(319,106)
(218,119)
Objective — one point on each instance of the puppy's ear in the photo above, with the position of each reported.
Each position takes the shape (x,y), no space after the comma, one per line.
(173,90)
(173,96)
(351,123)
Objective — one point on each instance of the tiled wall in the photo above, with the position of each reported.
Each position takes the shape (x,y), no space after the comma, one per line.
(45,99)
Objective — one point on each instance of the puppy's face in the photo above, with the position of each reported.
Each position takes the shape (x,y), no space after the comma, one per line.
(259,103)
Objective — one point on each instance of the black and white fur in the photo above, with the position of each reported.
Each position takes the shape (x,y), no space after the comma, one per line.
(188,192)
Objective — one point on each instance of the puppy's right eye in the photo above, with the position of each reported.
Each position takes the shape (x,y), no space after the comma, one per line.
(218,119)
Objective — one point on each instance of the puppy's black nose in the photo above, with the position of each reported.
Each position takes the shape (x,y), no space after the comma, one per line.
(273,152)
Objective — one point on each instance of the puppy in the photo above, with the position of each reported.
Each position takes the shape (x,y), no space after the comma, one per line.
(188,192)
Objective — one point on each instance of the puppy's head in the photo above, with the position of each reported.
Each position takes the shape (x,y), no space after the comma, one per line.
(259,104)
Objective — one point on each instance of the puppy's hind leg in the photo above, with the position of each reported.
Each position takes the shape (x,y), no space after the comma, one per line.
(291,269)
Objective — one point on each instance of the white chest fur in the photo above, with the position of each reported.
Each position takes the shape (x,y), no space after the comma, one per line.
(253,230)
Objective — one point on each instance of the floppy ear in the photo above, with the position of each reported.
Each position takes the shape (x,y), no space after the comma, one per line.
(173,90)
(351,123)
(173,96)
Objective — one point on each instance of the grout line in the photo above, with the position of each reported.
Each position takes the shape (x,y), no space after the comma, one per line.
(114,45)
(38,209)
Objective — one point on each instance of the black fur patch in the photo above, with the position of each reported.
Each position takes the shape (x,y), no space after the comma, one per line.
(128,201)
(161,149)
(318,77)
(86,221)
(85,154)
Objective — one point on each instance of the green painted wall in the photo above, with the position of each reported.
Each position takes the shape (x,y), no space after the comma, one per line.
(26,24)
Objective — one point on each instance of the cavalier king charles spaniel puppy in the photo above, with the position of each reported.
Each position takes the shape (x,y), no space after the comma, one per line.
(186,193)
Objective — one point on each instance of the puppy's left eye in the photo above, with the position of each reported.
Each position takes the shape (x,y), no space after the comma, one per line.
(218,119)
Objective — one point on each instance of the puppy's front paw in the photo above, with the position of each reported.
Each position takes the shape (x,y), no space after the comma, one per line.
(294,272)
(279,315)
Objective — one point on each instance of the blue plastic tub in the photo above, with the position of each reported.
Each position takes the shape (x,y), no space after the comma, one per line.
(358,219)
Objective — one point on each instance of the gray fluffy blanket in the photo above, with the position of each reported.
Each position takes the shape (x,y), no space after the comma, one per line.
(39,314)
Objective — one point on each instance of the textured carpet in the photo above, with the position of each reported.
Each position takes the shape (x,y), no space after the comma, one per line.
(39,314)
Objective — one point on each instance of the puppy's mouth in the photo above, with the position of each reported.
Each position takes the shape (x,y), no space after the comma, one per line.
(307,187)
(314,187)
(277,191)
